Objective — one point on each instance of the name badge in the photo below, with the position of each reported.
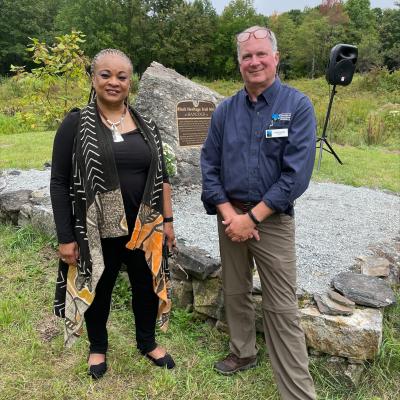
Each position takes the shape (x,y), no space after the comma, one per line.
(276,133)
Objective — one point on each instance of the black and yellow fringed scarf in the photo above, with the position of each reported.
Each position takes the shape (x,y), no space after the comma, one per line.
(98,212)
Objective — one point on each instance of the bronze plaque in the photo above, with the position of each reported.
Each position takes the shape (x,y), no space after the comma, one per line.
(193,119)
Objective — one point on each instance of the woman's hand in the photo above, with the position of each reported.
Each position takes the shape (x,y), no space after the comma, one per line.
(68,252)
(169,235)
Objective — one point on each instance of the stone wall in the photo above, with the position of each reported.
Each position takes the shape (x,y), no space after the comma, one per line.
(353,335)
(357,336)
(27,207)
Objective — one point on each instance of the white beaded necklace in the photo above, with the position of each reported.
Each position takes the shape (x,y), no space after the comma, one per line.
(116,133)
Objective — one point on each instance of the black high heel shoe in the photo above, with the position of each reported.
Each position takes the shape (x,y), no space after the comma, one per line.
(166,361)
(97,371)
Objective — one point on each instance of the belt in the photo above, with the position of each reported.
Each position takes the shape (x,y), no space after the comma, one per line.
(243,206)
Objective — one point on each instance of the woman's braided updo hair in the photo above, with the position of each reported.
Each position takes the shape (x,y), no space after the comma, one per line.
(105,52)
(96,58)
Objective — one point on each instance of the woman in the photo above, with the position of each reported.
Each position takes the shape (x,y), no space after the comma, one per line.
(112,204)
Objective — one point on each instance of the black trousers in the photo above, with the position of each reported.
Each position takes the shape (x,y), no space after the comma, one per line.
(144,300)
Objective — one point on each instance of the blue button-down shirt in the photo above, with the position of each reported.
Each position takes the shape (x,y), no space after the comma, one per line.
(242,157)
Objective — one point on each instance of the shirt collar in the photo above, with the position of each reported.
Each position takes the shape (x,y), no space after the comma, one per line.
(268,94)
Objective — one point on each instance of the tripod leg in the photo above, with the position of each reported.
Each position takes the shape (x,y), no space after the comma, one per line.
(321,147)
(322,139)
(333,152)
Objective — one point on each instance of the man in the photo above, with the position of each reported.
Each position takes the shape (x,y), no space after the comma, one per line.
(257,159)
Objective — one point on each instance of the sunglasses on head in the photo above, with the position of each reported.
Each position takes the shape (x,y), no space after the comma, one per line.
(261,33)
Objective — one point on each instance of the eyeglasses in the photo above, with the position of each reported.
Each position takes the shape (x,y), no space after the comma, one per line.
(258,34)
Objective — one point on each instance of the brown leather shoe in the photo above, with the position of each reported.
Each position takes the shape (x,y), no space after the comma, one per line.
(232,363)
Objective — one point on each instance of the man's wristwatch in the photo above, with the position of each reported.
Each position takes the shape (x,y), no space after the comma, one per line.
(253,217)
(168,219)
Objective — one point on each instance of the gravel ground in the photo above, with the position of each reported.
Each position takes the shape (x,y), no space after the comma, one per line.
(334,224)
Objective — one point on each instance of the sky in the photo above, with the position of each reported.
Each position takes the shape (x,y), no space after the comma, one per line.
(267,7)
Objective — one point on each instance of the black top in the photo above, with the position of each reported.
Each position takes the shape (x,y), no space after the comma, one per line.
(132,159)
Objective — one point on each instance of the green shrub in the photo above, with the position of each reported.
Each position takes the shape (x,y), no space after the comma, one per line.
(10,125)
(170,159)
(380,79)
(49,91)
(135,80)
(383,126)
(41,104)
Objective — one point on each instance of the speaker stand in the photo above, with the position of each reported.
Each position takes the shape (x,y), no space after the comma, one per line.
(323,138)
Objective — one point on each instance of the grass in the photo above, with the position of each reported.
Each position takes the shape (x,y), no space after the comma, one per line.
(36,366)
(25,150)
(373,167)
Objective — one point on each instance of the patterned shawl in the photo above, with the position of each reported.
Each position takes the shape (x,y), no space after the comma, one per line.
(98,213)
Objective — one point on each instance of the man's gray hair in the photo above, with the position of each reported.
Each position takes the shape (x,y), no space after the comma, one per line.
(114,52)
(271,37)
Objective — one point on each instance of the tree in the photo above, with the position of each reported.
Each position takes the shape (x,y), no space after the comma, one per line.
(369,53)
(296,16)
(20,20)
(362,19)
(363,32)
(185,37)
(237,16)
(285,30)
(189,36)
(102,29)
(63,62)
(315,38)
(334,10)
(389,34)
(123,24)
(360,13)
(60,69)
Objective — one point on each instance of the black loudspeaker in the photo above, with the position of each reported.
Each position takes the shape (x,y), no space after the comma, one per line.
(342,63)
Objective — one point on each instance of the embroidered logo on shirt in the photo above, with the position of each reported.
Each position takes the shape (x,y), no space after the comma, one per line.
(285,116)
(275,117)
(279,117)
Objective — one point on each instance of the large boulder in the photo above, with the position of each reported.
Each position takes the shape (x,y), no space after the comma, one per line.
(195,262)
(160,91)
(374,266)
(208,298)
(11,203)
(357,336)
(182,293)
(38,213)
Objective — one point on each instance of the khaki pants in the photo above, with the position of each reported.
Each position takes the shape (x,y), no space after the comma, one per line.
(275,259)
